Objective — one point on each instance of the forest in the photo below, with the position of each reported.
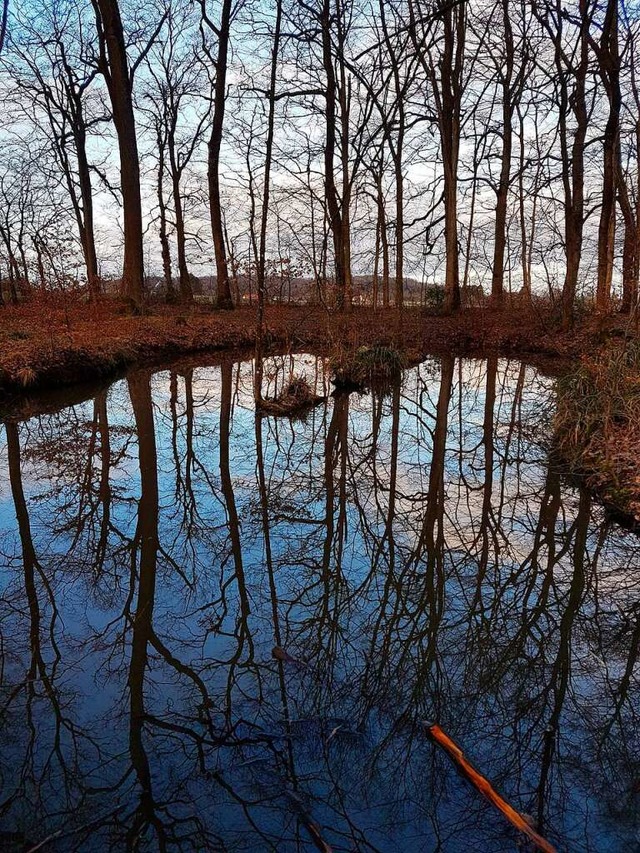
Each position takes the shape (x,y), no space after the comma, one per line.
(470,147)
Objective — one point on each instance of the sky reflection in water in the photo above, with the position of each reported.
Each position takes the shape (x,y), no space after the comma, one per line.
(414,553)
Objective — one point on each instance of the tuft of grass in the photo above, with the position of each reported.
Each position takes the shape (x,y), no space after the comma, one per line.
(297,397)
(26,376)
(366,366)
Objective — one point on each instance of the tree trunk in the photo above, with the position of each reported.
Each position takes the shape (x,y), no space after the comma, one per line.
(344,100)
(500,237)
(262,246)
(164,239)
(631,249)
(573,169)
(526,278)
(331,194)
(87,233)
(376,267)
(215,141)
(451,95)
(186,291)
(609,60)
(512,84)
(384,242)
(118,79)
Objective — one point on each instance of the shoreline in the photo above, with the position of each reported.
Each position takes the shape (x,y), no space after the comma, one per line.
(44,357)
(85,343)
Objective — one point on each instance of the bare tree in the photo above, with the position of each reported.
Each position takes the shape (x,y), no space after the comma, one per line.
(331,21)
(628,183)
(570,69)
(511,76)
(52,79)
(262,245)
(179,115)
(222,36)
(608,55)
(439,38)
(4,14)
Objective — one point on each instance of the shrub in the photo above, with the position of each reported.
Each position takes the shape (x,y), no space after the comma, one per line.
(434,297)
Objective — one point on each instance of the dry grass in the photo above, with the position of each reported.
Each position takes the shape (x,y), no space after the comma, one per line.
(598,423)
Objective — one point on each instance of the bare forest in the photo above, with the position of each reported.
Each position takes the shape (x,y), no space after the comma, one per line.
(335,152)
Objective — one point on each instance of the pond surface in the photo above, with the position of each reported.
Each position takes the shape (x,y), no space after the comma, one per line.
(412,557)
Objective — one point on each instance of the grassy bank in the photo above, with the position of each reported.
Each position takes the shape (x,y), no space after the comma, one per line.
(598,424)
(45,345)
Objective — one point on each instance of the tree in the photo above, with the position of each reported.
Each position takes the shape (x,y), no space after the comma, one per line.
(627,191)
(222,34)
(511,81)
(570,67)
(178,119)
(439,38)
(608,56)
(261,255)
(4,14)
(53,79)
(336,135)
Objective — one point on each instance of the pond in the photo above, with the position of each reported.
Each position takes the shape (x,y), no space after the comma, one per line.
(222,631)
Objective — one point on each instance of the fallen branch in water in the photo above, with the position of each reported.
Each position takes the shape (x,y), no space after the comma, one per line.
(484,786)
(314,831)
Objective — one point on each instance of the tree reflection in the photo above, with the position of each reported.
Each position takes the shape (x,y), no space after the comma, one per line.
(142,618)
(40,672)
(410,555)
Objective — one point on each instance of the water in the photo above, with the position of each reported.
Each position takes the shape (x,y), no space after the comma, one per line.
(414,556)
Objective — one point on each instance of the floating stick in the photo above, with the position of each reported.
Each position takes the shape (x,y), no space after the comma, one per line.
(484,786)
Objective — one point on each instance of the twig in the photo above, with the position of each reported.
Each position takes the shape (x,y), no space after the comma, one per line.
(45,841)
(62,834)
